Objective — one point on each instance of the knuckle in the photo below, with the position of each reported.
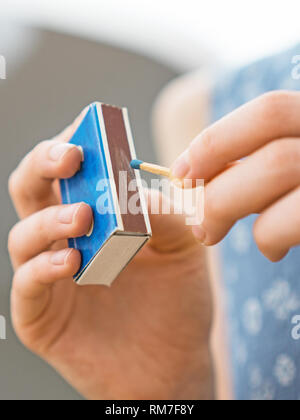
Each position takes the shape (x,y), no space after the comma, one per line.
(35,155)
(273,105)
(213,208)
(13,184)
(281,156)
(46,225)
(16,181)
(29,159)
(207,140)
(17,278)
(41,146)
(38,154)
(12,240)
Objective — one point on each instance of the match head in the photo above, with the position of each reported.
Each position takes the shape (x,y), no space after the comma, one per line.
(136,164)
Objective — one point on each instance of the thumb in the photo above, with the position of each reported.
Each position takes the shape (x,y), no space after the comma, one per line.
(170,231)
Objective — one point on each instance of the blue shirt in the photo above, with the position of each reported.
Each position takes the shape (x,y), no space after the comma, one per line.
(262,297)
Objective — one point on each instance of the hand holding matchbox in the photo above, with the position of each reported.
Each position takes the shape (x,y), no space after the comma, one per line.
(117,234)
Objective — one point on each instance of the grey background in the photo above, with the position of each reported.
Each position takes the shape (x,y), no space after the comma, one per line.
(46,87)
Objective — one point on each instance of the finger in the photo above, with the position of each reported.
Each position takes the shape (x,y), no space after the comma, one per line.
(249,188)
(272,116)
(276,231)
(69,131)
(39,231)
(31,184)
(170,232)
(33,281)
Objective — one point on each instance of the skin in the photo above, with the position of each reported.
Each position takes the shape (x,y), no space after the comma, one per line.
(146,337)
(105,342)
(266,132)
(181,112)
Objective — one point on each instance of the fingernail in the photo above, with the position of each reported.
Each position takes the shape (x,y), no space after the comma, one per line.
(60,257)
(91,229)
(199,234)
(181,166)
(59,150)
(67,214)
(82,152)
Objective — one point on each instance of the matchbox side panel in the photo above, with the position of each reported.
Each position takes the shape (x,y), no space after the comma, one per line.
(121,158)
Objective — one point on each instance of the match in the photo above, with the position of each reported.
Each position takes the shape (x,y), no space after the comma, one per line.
(157,170)
(151,168)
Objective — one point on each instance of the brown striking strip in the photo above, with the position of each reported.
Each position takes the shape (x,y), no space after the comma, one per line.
(121,158)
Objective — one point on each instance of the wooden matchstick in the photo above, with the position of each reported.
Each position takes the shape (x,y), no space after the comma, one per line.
(157,170)
(151,168)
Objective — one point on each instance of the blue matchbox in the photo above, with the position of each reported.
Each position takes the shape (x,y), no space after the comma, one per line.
(105,183)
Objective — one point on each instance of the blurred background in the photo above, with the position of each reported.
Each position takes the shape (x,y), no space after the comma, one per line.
(63,55)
